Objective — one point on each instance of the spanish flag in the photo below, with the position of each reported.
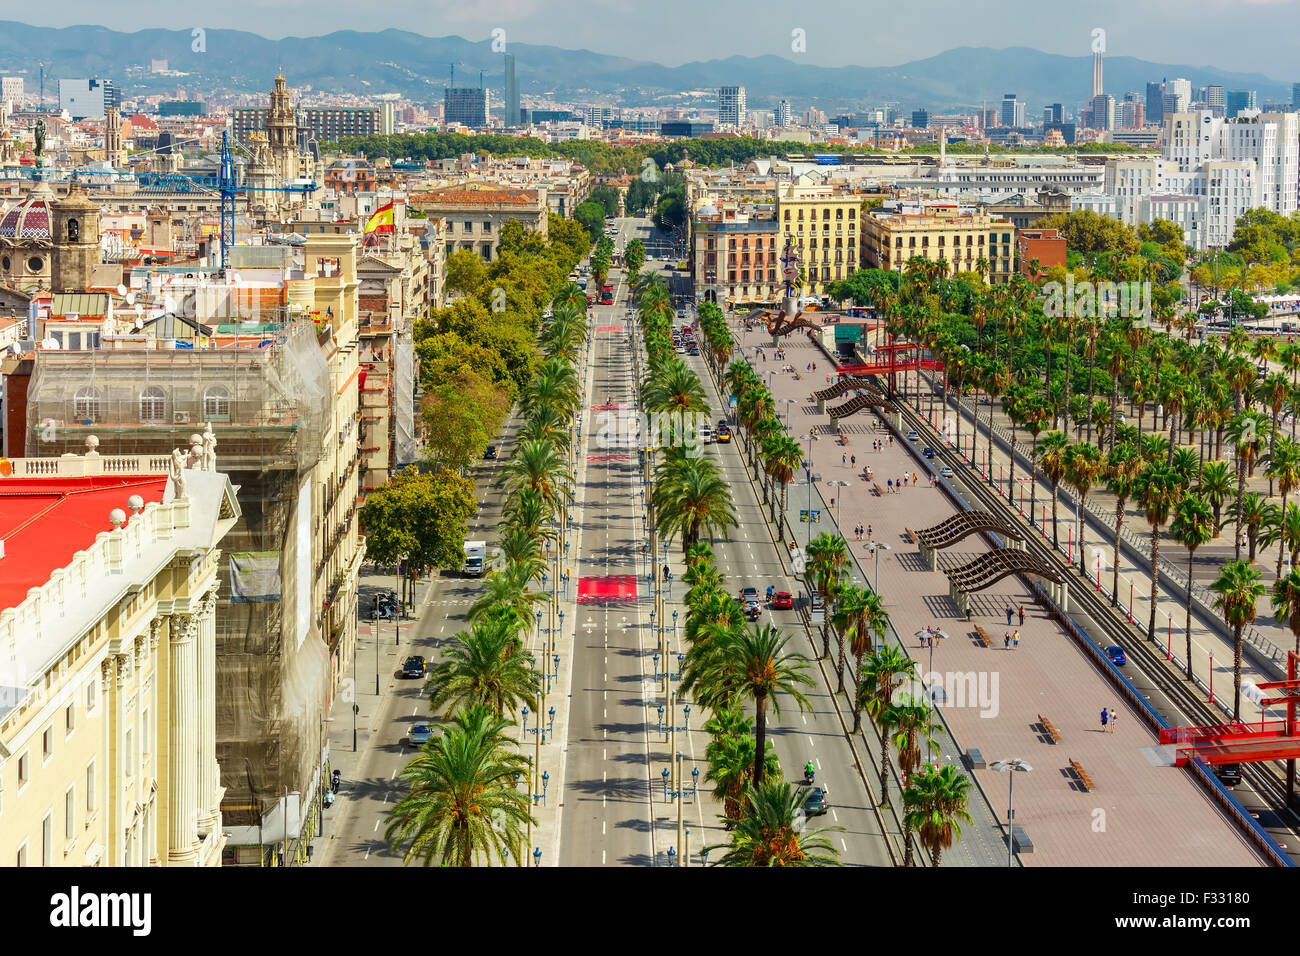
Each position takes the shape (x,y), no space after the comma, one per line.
(381,221)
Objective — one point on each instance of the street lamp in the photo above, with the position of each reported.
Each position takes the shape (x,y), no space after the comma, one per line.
(320,817)
(836,482)
(875,547)
(1011,768)
(809,474)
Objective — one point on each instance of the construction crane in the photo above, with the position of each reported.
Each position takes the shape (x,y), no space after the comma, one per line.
(223,183)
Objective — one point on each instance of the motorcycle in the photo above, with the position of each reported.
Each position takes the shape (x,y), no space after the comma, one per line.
(808,777)
(336,780)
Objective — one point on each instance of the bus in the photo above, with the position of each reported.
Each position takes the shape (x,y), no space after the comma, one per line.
(607,294)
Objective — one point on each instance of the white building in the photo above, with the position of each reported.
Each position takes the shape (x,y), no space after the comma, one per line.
(731,106)
(11,89)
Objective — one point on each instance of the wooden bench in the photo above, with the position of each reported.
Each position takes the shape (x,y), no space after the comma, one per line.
(983,635)
(1051,731)
(1082,775)
(976,759)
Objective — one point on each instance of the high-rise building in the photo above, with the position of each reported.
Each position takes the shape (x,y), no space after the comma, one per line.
(1013,111)
(11,89)
(1131,112)
(387,118)
(597,116)
(512,117)
(1215,101)
(782,113)
(1054,113)
(1239,100)
(920,119)
(1155,102)
(1295,96)
(88,99)
(731,106)
(1102,107)
(465,106)
(1096,75)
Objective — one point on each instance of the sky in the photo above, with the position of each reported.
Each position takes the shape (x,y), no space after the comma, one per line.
(1241,35)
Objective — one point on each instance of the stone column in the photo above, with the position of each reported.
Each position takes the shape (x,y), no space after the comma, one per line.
(209,795)
(183,779)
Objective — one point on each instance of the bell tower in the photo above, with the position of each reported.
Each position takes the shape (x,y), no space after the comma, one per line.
(114,155)
(282,130)
(74,235)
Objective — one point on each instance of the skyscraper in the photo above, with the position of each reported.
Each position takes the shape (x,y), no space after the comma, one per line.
(1295,96)
(512,92)
(1054,113)
(1239,100)
(731,106)
(920,119)
(1214,100)
(1102,107)
(1130,112)
(466,106)
(1013,111)
(1156,102)
(782,113)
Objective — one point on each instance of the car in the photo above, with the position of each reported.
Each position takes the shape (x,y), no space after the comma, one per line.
(927,451)
(817,602)
(692,351)
(913,435)
(815,802)
(413,667)
(782,600)
(681,350)
(723,433)
(490,453)
(591,300)
(749,594)
(1116,654)
(1229,774)
(945,472)
(681,313)
(420,735)
(753,610)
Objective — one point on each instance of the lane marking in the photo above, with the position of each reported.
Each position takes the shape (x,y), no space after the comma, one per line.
(811,742)
(375,829)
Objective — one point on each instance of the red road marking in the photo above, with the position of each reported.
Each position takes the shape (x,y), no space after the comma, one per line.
(607,587)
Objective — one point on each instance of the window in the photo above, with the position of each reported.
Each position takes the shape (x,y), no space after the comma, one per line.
(128,754)
(487,226)
(47,840)
(153,404)
(74,340)
(92,692)
(69,719)
(147,738)
(469,227)
(47,743)
(85,404)
(70,813)
(24,770)
(216,404)
(90,787)
(35,263)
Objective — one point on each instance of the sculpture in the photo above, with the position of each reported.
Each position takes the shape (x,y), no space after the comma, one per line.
(209,448)
(40,137)
(195,459)
(178,473)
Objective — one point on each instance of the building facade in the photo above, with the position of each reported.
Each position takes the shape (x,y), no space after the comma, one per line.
(933,232)
(734,255)
(474,213)
(465,106)
(731,106)
(823,226)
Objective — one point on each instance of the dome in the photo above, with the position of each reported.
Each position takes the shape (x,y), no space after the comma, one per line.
(707,211)
(30,219)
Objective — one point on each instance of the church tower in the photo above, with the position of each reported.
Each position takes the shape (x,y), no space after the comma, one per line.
(114,155)
(282,130)
(74,231)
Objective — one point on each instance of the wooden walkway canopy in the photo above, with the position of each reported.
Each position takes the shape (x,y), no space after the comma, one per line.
(963,524)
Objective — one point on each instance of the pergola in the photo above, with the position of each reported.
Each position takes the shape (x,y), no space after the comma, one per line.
(990,568)
(844,386)
(858,403)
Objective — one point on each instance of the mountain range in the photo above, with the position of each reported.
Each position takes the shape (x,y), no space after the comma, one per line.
(397,61)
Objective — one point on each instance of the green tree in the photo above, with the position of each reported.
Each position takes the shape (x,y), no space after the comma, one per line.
(1193,526)
(485,665)
(466,271)
(1237,588)
(463,805)
(768,833)
(730,754)
(877,681)
(592,218)
(420,518)
(461,416)
(934,807)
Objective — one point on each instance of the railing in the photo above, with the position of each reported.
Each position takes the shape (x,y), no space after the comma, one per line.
(81,466)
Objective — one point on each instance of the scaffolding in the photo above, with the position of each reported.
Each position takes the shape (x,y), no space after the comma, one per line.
(269,403)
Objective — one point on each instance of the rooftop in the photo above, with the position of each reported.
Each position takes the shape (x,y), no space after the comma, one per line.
(478,194)
(45,521)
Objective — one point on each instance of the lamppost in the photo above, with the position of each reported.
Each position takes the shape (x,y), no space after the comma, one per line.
(808,473)
(1011,768)
(836,482)
(788,403)
(875,548)
(320,817)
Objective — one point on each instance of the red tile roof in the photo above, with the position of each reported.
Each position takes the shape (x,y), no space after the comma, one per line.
(488,195)
(45,521)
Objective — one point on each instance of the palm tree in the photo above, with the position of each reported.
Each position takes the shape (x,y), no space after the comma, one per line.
(1052,462)
(1193,526)
(463,803)
(1216,483)
(1158,490)
(1123,466)
(1283,463)
(537,465)
(828,556)
(1255,511)
(691,499)
(1238,587)
(1244,431)
(934,807)
(877,681)
(508,589)
(755,662)
(730,754)
(674,387)
(486,665)
(1286,603)
(1084,464)
(768,833)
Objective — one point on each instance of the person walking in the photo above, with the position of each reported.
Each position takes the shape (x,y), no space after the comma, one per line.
(913,479)
(1008,615)
(1015,639)
(1022,615)
(853,461)
(1006,640)
(868,532)
(1113,718)
(889,482)
(844,459)
(1104,719)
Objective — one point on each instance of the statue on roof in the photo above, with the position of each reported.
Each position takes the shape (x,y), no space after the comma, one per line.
(209,448)
(177,473)
(40,137)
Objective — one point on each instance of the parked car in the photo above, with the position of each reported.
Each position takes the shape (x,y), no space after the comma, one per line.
(413,667)
(1116,654)
(420,735)
(1229,774)
(782,600)
(724,432)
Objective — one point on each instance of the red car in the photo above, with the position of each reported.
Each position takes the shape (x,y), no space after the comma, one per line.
(590,300)
(782,600)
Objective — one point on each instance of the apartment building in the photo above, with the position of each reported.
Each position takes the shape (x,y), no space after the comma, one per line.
(735,255)
(474,213)
(823,226)
(108,584)
(960,236)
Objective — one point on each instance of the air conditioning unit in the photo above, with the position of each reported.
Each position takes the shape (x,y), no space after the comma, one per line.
(181,418)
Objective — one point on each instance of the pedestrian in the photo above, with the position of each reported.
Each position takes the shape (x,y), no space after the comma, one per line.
(1006,640)
(1022,615)
(1113,718)
(1015,639)
(1008,615)
(808,367)
(913,479)
(1104,719)
(814,366)
(868,532)
(967,613)
(844,459)
(853,460)
(890,483)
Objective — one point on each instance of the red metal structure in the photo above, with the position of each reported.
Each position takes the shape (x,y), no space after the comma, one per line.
(887,358)
(1248,743)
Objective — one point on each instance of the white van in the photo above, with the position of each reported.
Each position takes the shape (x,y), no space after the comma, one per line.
(705,433)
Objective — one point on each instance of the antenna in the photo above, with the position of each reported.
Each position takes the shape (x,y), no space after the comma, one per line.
(452,84)
(42,84)
(480,79)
